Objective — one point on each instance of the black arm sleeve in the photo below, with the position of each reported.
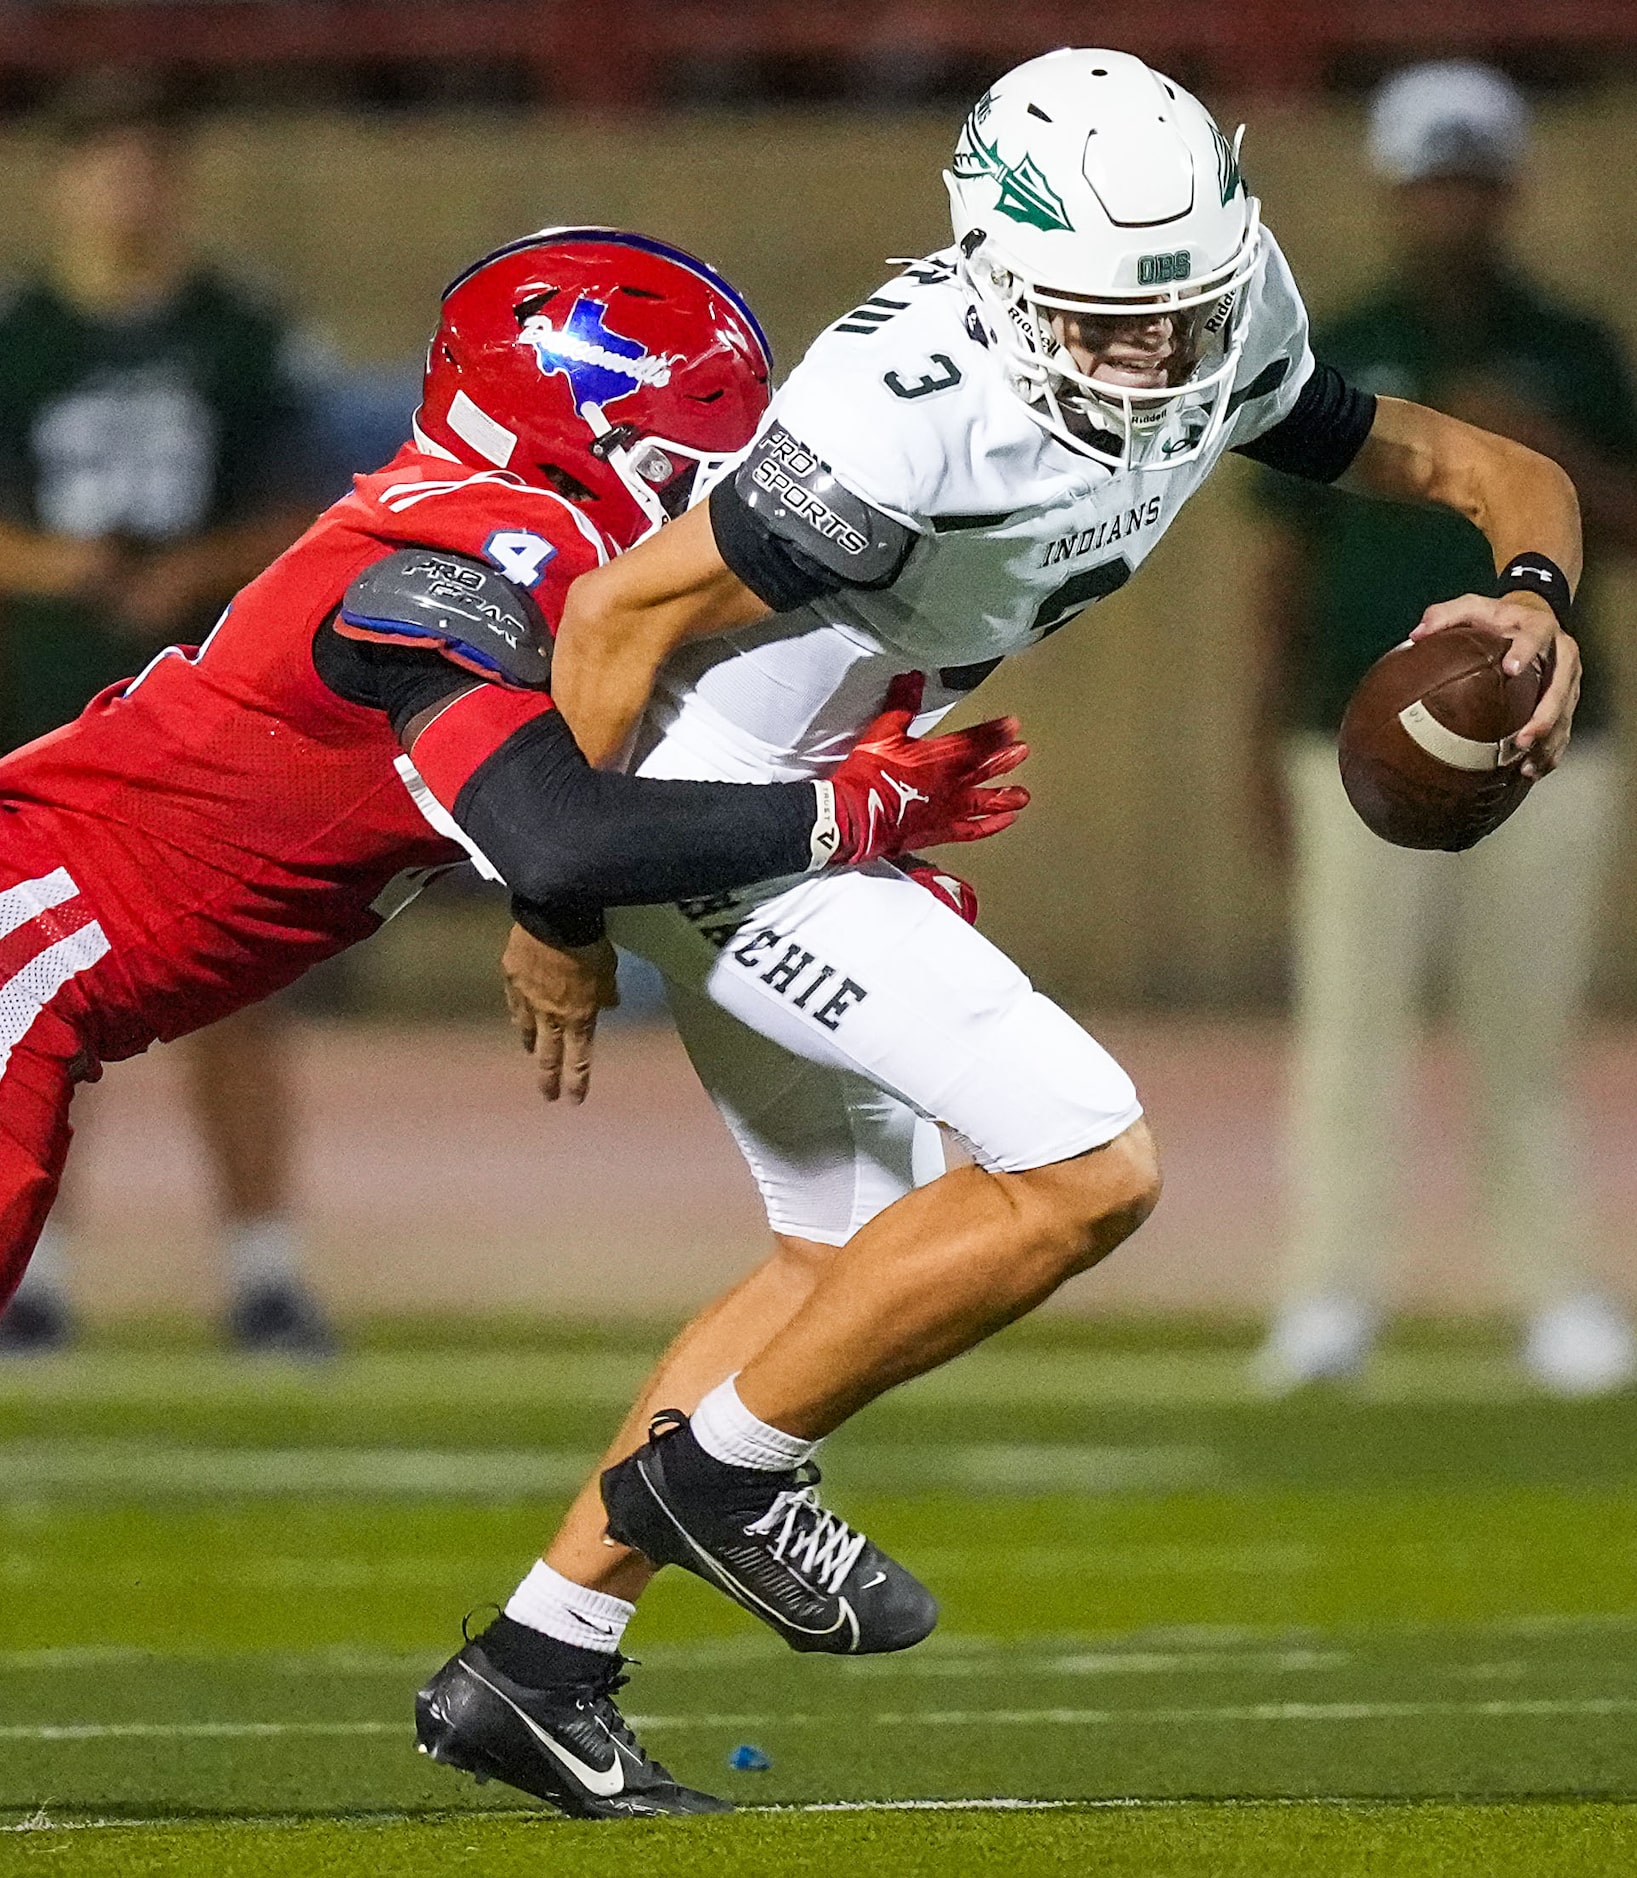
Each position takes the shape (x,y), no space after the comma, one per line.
(1322,432)
(569,839)
(560,831)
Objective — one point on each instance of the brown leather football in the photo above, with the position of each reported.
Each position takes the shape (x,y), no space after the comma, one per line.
(1426,747)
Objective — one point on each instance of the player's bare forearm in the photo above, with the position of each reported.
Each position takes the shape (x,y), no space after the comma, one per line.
(621,622)
(1524,503)
(1520,499)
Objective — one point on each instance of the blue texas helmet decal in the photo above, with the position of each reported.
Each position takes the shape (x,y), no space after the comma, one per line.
(600,366)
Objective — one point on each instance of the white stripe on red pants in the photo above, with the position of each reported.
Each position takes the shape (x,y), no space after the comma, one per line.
(48,936)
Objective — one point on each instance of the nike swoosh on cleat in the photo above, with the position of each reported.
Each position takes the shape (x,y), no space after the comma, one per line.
(743,1593)
(605,1785)
(880,1578)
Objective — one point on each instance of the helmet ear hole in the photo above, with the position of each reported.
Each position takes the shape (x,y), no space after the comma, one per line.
(566,485)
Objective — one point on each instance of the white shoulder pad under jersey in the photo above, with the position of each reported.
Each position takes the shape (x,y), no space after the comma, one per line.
(1278,358)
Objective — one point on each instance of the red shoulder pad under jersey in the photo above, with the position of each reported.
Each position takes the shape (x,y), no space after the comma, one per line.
(536,538)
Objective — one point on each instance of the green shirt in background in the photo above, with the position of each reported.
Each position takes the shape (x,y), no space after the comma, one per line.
(151,429)
(1377,566)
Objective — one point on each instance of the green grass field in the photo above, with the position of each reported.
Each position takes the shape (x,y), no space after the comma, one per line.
(1185,1630)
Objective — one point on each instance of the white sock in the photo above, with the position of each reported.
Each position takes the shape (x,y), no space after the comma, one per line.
(549,1602)
(262,1252)
(725,1428)
(47,1273)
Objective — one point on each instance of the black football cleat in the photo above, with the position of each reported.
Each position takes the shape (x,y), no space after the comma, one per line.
(765,1540)
(566,1744)
(282,1318)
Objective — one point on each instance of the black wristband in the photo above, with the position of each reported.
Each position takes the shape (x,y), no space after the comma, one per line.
(566,926)
(1540,575)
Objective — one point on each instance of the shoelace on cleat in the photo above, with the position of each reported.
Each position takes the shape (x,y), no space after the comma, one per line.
(602,1707)
(809,1537)
(599,1702)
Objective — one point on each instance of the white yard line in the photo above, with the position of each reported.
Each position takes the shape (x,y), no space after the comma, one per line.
(521,1380)
(936,1806)
(1103,1804)
(1256,1712)
(1156,1649)
(191,1731)
(170,1470)
(1124,1561)
(340,1661)
(42,1822)
(999,1659)
(1545,1709)
(50,1467)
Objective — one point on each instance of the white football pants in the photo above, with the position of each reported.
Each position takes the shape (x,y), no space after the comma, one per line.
(837,1021)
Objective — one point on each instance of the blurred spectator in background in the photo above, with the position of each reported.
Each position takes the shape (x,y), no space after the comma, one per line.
(1459,325)
(153,458)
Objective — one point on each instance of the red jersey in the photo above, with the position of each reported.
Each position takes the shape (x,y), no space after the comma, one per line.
(229,819)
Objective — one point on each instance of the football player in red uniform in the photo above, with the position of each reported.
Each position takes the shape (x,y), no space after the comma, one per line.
(374,708)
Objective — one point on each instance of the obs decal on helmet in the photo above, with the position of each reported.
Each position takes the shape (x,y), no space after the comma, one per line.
(610,367)
(1097,205)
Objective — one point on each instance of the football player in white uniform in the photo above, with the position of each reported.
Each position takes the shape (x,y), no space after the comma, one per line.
(960,466)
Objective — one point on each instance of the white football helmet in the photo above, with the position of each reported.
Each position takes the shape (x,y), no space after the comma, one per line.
(1088,187)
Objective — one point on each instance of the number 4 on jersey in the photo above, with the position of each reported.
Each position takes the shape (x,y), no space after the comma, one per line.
(519,555)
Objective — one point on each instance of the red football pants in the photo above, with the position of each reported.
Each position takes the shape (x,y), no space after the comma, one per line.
(48,937)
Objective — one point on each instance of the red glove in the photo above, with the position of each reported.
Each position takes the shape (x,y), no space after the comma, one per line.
(960,896)
(896,792)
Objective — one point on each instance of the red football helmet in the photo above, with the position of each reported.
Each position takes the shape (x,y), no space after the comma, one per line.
(608,366)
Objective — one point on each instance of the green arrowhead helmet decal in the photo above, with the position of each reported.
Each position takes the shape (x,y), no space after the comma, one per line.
(1025,194)
(1227,166)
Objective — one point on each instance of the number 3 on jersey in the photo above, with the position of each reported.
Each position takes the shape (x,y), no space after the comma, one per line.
(945,378)
(519,555)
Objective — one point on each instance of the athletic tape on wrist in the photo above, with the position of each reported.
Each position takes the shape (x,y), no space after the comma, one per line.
(1540,575)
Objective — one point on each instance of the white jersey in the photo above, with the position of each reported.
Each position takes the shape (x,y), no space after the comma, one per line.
(1015,532)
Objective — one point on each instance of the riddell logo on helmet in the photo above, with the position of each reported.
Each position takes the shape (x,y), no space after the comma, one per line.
(1159,270)
(601,366)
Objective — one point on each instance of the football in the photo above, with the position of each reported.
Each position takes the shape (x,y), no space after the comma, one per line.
(1426,749)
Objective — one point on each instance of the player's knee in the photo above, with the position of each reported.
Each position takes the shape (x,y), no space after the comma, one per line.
(1132,1186)
(1097,1200)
